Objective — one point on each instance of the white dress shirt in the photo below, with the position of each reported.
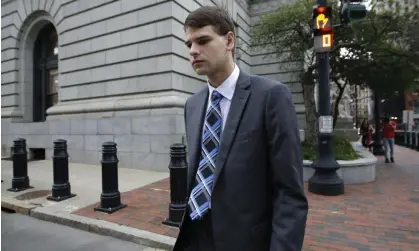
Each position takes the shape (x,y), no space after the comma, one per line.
(227,90)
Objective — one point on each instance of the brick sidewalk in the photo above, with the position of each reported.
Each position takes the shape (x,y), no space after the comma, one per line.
(383,215)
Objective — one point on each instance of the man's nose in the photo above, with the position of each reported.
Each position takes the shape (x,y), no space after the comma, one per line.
(193,51)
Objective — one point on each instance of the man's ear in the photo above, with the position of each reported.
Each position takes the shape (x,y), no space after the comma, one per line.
(231,38)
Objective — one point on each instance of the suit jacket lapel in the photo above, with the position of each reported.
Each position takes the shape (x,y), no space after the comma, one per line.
(238,103)
(196,122)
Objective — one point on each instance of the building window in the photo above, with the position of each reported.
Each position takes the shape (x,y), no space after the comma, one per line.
(52,94)
(45,72)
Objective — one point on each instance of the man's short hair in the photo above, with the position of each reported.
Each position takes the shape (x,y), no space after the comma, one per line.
(216,16)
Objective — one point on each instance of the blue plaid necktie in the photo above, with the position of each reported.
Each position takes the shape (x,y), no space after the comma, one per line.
(200,199)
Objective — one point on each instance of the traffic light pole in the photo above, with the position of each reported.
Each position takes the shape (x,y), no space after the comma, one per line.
(325,180)
(356,107)
(377,146)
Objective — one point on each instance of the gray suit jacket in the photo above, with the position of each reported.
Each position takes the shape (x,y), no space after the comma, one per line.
(258,201)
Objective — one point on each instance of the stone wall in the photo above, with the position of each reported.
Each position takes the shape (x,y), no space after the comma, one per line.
(123,75)
(274,65)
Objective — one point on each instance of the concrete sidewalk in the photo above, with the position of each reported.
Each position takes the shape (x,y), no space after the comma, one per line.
(86,183)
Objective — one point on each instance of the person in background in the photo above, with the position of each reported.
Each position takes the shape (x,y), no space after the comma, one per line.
(366,131)
(363,129)
(388,133)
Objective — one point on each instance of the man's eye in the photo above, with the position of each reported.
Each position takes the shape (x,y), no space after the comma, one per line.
(204,41)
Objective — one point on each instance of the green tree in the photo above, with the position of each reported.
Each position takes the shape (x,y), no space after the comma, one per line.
(374,52)
(383,49)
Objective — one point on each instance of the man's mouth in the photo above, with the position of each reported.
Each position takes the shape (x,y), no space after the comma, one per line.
(197,62)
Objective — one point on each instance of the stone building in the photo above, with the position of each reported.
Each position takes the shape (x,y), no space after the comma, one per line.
(91,71)
(360,100)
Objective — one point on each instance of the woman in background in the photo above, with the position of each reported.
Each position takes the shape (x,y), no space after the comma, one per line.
(366,131)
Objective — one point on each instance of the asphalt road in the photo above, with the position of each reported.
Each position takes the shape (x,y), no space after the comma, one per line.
(22,233)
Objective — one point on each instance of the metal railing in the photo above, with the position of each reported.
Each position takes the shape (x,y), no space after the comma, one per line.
(408,139)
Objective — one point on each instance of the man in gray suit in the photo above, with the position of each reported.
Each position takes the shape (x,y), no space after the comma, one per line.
(245,176)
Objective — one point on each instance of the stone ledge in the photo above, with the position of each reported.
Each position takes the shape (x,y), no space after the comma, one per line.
(108,104)
(357,171)
(11,112)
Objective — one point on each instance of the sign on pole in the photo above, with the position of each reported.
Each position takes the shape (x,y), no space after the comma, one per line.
(326,124)
(405,117)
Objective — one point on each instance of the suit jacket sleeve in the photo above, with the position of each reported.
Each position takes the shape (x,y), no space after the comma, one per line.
(286,167)
(185,110)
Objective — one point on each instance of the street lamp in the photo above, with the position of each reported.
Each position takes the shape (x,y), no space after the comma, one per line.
(325,180)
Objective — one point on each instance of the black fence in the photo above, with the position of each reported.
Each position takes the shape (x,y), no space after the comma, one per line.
(407,139)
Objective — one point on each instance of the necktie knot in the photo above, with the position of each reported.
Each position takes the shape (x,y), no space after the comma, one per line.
(216,96)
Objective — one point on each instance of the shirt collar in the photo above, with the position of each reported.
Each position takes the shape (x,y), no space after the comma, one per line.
(227,87)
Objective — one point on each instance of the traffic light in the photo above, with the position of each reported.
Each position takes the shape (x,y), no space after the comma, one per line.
(352,10)
(322,20)
(322,28)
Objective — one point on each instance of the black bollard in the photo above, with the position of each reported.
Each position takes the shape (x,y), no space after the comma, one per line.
(400,138)
(110,199)
(61,189)
(20,180)
(413,145)
(410,139)
(417,141)
(178,185)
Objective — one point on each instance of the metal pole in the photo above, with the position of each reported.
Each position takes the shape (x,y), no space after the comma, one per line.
(325,180)
(417,141)
(356,106)
(413,146)
(410,136)
(377,147)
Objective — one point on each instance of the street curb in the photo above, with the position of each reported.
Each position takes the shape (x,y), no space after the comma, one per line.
(16,205)
(100,227)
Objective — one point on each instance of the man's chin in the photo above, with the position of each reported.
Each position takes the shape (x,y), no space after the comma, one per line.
(200,71)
